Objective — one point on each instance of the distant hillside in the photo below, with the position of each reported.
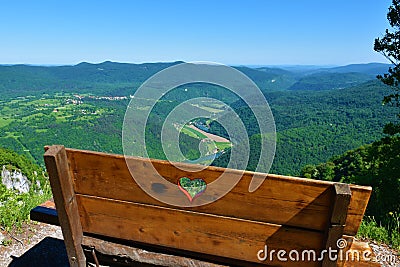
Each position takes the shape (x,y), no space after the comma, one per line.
(270,79)
(108,78)
(329,80)
(371,69)
(112,78)
(338,77)
(313,126)
(109,72)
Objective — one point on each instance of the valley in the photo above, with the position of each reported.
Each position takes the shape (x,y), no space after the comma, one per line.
(312,125)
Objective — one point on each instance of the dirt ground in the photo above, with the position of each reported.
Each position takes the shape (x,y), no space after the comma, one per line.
(213,137)
(36,245)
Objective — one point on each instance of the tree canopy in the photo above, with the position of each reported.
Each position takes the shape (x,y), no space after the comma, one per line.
(389,46)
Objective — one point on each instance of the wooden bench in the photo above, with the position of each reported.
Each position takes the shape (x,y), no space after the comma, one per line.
(100,206)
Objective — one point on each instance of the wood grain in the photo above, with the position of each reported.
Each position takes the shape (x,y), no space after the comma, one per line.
(338,219)
(282,200)
(64,197)
(138,256)
(201,233)
(340,204)
(358,204)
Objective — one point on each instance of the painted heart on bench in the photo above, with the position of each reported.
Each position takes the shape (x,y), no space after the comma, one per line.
(192,188)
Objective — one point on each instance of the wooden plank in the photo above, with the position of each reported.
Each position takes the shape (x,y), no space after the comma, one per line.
(137,255)
(64,197)
(115,251)
(201,233)
(338,219)
(334,233)
(358,204)
(282,200)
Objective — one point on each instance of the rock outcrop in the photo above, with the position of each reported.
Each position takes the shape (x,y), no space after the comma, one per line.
(15,180)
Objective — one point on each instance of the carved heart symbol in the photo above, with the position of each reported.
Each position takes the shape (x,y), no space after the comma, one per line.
(192,188)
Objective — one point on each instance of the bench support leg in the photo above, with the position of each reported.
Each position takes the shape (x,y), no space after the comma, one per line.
(64,197)
(338,220)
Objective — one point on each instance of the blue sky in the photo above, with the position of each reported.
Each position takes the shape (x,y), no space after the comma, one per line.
(264,32)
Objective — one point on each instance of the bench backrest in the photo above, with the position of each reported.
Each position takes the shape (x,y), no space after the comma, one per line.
(95,193)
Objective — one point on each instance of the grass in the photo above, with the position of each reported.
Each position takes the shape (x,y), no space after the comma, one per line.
(209,109)
(15,208)
(5,121)
(14,135)
(44,101)
(223,145)
(389,235)
(192,132)
(34,116)
(31,110)
(196,134)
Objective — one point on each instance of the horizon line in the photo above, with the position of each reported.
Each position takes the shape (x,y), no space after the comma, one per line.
(252,65)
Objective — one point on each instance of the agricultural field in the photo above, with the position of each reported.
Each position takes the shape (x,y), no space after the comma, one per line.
(29,123)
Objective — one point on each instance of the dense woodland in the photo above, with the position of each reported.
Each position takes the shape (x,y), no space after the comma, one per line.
(314,126)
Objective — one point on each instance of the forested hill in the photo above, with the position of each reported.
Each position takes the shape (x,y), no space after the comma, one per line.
(313,126)
(370,69)
(327,81)
(104,78)
(111,78)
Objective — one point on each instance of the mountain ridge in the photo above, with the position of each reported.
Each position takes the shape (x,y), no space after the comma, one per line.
(108,77)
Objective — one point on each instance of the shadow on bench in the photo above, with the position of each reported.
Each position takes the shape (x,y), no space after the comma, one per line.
(101,207)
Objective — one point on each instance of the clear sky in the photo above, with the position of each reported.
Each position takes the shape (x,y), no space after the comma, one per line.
(264,32)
